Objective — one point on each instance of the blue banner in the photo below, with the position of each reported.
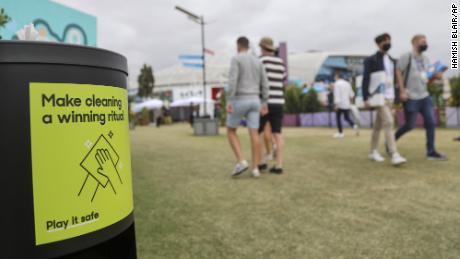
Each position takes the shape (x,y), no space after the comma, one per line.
(200,57)
(194,65)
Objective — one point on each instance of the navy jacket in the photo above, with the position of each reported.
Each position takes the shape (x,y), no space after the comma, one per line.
(373,64)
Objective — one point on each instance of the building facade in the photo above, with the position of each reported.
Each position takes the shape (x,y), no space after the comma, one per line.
(310,67)
(178,82)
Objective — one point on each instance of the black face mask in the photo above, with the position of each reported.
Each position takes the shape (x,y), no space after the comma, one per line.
(422,48)
(386,46)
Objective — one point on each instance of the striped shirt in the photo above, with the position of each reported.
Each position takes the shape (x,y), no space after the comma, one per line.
(276,75)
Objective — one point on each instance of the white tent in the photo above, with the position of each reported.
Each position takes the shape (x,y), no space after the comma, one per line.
(151,104)
(189,101)
(177,75)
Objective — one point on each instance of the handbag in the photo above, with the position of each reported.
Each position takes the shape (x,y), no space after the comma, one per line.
(376,90)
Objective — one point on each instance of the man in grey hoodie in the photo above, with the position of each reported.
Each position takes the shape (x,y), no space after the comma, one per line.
(247,98)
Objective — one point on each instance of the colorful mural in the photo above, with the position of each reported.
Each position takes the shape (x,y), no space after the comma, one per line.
(55,22)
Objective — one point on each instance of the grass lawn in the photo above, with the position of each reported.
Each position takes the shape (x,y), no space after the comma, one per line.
(332,202)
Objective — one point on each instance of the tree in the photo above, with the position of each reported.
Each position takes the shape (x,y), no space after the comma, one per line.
(310,102)
(293,95)
(4,19)
(223,107)
(455,90)
(146,81)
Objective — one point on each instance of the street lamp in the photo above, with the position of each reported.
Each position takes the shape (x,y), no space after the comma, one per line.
(200,21)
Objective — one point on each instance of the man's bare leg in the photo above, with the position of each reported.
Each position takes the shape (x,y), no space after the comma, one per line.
(279,140)
(255,148)
(235,144)
(268,139)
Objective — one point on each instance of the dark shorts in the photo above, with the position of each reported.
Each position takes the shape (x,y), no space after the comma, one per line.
(274,116)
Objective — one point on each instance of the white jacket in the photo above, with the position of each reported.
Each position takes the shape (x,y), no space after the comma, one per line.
(342,94)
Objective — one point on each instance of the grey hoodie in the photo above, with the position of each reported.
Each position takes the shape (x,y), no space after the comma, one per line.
(247,78)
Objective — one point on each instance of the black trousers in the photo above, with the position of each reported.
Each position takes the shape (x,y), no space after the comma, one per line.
(346,114)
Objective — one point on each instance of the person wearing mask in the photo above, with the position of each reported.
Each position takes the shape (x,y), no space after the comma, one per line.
(381,61)
(343,95)
(413,82)
(248,96)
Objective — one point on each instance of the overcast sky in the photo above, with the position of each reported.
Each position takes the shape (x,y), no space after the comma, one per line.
(152,32)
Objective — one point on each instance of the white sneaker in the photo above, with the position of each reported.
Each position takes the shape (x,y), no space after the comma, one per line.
(397,159)
(240,168)
(356,128)
(375,156)
(339,135)
(268,157)
(255,173)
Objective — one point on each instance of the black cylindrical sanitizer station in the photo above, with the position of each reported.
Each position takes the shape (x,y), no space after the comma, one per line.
(66,185)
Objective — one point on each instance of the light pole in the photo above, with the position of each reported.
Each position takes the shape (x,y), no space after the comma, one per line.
(200,21)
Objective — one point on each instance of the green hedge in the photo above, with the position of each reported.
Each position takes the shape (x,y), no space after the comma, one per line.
(455,90)
(296,102)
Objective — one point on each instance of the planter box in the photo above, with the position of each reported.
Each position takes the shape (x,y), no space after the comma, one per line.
(306,120)
(333,115)
(367,118)
(205,127)
(318,119)
(344,122)
(453,117)
(326,119)
(364,117)
(321,119)
(291,120)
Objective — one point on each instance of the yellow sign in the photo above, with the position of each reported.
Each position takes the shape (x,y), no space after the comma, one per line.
(81,164)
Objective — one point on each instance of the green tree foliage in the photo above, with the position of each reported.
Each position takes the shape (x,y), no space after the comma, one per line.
(146,81)
(223,108)
(455,89)
(293,99)
(4,19)
(435,90)
(310,102)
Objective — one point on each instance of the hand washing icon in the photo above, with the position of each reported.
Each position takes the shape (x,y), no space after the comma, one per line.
(100,164)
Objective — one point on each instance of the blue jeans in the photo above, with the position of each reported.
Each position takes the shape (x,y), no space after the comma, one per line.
(411,109)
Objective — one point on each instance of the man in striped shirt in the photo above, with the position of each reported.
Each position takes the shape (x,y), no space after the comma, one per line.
(276,75)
